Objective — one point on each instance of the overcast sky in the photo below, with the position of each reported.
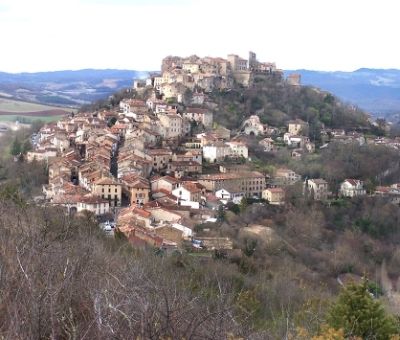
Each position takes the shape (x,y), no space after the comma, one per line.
(47,35)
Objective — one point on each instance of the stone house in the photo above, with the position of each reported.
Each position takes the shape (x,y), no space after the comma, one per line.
(160,158)
(297,127)
(317,189)
(253,126)
(251,183)
(137,188)
(284,176)
(94,204)
(238,149)
(215,152)
(267,144)
(172,125)
(275,196)
(185,168)
(199,115)
(167,183)
(109,189)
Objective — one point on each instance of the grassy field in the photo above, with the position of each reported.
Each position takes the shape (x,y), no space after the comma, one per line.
(19,107)
(12,110)
(28,119)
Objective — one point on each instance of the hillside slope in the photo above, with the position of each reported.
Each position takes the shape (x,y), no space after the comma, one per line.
(374,90)
(69,88)
(276,102)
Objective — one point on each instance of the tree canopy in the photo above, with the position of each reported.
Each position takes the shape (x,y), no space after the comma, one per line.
(360,315)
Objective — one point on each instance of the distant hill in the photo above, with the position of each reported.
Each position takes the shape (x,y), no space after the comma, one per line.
(374,90)
(66,88)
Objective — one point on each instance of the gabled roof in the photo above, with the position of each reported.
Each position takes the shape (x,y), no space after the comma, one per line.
(318,181)
(169,179)
(141,212)
(353,182)
(191,187)
(155,152)
(382,189)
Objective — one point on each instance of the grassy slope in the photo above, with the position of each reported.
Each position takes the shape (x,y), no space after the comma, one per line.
(19,107)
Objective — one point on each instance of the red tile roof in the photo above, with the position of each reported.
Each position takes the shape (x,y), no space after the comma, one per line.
(106,181)
(91,199)
(141,212)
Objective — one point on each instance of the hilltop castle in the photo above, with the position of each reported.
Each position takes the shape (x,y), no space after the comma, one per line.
(205,74)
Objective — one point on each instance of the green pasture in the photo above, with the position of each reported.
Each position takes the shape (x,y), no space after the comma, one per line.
(11,105)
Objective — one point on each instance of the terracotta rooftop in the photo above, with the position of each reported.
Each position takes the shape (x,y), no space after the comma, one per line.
(193,188)
(169,179)
(106,181)
(231,175)
(91,199)
(141,212)
(154,152)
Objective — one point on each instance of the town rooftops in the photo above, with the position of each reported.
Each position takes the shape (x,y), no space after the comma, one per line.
(106,181)
(141,212)
(156,152)
(165,178)
(191,187)
(232,175)
(91,199)
(67,199)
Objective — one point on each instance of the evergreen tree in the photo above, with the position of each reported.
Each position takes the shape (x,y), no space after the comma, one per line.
(111,122)
(27,146)
(360,315)
(221,214)
(16,147)
(244,203)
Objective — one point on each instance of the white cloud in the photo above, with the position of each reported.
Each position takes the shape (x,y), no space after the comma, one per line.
(314,34)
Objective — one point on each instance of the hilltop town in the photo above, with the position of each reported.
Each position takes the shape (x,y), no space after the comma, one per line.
(157,165)
(207,74)
(217,199)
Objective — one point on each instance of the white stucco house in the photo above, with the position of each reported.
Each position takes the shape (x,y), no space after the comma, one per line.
(352,188)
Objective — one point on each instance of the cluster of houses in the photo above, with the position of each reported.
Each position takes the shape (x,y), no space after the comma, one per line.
(341,136)
(318,189)
(141,165)
(160,168)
